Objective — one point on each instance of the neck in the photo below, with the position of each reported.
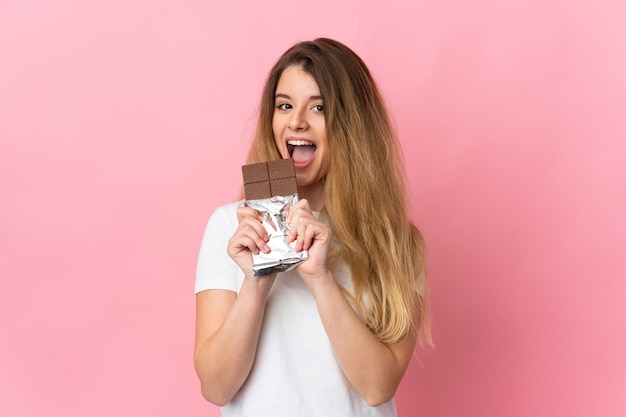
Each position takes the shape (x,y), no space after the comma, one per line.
(314,194)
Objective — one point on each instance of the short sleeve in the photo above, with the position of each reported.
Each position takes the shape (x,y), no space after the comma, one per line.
(215,269)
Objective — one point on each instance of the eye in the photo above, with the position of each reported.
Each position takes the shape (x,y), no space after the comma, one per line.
(283,106)
(318,108)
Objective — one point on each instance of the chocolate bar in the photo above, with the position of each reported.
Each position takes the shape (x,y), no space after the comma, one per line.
(271,189)
(269,179)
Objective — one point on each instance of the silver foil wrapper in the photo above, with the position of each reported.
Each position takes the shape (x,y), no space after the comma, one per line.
(283,255)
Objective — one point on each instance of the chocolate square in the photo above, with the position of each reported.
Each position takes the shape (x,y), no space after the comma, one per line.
(281,168)
(269,179)
(255,173)
(257,190)
(284,186)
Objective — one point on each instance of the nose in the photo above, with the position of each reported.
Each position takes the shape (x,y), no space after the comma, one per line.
(298,121)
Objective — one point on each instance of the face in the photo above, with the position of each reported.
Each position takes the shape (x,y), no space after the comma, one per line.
(299,126)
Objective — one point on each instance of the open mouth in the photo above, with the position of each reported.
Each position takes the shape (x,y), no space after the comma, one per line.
(301,151)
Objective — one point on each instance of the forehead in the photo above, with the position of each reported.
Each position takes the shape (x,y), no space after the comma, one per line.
(296,81)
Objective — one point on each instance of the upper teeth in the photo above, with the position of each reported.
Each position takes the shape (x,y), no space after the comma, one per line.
(299,142)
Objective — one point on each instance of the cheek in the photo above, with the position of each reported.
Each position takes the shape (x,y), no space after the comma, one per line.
(278,122)
(321,129)
(327,159)
(275,130)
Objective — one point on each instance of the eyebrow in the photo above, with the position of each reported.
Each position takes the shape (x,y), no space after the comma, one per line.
(281,95)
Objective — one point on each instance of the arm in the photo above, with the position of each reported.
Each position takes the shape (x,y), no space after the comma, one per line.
(227,332)
(372,367)
(228,324)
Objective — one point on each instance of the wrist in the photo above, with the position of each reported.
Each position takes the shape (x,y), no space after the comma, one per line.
(257,286)
(321,283)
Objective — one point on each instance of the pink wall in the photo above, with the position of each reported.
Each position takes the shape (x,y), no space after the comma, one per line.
(124,123)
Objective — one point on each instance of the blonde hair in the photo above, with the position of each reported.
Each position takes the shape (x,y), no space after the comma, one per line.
(383,249)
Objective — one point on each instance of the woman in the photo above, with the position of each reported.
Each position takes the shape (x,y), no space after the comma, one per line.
(334,336)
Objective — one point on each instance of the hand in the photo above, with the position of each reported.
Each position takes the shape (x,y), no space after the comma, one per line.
(250,237)
(310,234)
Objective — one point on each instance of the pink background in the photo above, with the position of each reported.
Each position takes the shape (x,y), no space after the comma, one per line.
(123,124)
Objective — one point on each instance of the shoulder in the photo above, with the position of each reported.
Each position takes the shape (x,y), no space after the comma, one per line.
(228,210)
(215,269)
(221,225)
(225,215)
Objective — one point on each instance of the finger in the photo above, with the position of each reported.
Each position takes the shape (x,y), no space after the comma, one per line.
(300,205)
(305,226)
(293,233)
(253,231)
(245,212)
(298,223)
(254,226)
(303,204)
(242,242)
(310,232)
(292,220)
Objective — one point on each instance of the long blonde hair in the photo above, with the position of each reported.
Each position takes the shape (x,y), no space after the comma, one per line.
(364,191)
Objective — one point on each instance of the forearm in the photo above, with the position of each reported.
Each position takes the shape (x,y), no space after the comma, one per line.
(224,359)
(373,368)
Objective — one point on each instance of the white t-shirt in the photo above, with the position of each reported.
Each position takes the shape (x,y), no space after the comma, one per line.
(295,373)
